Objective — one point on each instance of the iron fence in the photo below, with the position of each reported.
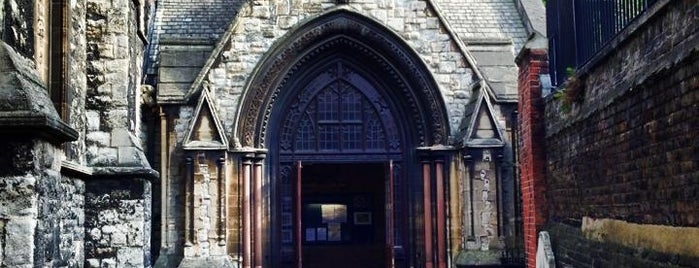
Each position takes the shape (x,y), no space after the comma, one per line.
(578,29)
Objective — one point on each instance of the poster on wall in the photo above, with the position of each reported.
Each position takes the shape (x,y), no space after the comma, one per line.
(334,213)
(334,232)
(310,234)
(321,234)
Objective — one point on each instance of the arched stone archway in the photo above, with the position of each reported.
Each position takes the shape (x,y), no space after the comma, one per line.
(342,91)
(384,51)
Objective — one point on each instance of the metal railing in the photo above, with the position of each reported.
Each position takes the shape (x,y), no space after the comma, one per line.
(578,29)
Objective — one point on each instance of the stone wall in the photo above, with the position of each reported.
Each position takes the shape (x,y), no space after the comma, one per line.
(76,78)
(43,204)
(114,55)
(624,148)
(59,237)
(41,210)
(117,223)
(414,21)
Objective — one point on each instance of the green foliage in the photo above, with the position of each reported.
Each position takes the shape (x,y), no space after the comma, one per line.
(571,92)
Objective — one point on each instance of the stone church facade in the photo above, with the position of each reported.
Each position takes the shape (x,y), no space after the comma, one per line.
(260,133)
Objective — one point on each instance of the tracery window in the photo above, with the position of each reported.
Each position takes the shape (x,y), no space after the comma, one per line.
(338,117)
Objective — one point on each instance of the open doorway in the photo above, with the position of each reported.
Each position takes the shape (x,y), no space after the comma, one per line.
(343,215)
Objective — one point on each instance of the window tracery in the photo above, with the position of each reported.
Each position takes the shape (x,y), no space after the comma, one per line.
(338,116)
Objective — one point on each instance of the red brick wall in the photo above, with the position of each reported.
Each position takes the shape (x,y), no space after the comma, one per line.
(531,154)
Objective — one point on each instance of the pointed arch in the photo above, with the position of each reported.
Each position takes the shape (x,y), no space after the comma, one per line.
(342,33)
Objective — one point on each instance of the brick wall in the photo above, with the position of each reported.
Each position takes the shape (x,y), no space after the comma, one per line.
(531,156)
(627,150)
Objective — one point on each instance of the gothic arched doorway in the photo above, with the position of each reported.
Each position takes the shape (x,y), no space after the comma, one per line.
(333,210)
(351,102)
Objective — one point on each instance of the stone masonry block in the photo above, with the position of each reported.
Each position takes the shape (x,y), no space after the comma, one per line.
(93,120)
(101,156)
(99,138)
(120,137)
(109,263)
(118,238)
(261,11)
(19,242)
(286,22)
(128,156)
(130,257)
(117,118)
(93,263)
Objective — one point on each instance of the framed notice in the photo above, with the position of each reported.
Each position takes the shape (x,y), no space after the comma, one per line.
(321,234)
(310,234)
(334,232)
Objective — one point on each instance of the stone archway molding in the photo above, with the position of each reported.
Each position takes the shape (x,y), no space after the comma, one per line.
(397,60)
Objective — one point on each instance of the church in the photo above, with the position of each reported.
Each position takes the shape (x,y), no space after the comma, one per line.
(265,133)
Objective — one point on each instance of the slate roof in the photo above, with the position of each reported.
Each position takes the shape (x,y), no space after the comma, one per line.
(485,20)
(493,32)
(189,21)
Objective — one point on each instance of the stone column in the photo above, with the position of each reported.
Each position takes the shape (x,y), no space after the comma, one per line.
(189,203)
(441,219)
(427,211)
(258,203)
(221,232)
(247,213)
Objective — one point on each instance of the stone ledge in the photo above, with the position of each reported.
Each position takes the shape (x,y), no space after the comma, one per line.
(72,168)
(573,247)
(660,238)
(213,261)
(22,124)
(75,169)
(145,172)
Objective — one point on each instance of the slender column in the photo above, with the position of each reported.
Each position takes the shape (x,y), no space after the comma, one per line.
(299,238)
(469,170)
(441,223)
(257,177)
(189,205)
(390,219)
(247,214)
(427,213)
(163,179)
(222,201)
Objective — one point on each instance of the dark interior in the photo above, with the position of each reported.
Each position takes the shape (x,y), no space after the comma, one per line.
(343,222)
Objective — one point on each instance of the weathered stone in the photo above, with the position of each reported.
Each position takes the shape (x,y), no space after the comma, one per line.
(121,138)
(98,138)
(118,238)
(18,232)
(109,263)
